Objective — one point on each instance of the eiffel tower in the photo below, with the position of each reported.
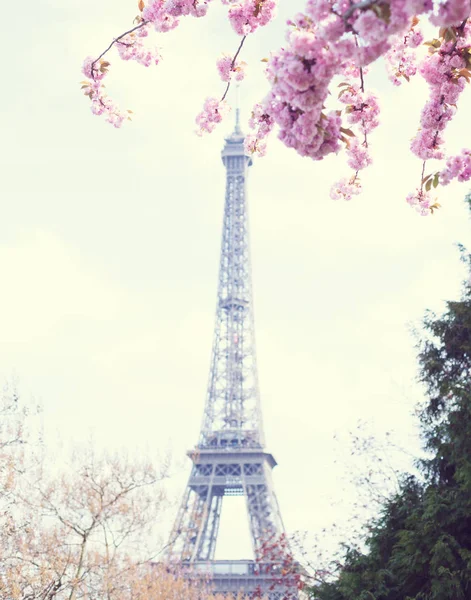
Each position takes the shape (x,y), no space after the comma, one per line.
(230,457)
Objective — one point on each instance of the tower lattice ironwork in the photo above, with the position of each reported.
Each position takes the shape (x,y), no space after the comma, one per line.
(230,458)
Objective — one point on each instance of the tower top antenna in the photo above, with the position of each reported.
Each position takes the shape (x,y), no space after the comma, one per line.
(237,129)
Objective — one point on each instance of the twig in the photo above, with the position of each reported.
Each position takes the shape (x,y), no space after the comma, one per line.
(362,81)
(242,41)
(359,5)
(459,32)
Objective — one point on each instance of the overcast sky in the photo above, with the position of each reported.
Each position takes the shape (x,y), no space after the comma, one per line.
(109,243)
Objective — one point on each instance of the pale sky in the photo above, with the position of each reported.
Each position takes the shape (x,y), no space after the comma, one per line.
(109,244)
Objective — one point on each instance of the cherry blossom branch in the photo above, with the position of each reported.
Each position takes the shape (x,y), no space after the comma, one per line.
(459,32)
(232,66)
(446,71)
(323,42)
(358,6)
(214,110)
(362,88)
(120,37)
(245,16)
(423,175)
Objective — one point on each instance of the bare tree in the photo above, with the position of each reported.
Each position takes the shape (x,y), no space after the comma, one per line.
(84,531)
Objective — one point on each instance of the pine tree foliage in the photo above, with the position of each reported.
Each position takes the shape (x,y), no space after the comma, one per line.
(420,546)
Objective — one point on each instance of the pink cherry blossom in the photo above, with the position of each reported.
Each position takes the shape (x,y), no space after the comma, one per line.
(228,69)
(94,69)
(370,27)
(254,145)
(213,112)
(345,189)
(246,16)
(442,71)
(400,58)
(421,201)
(93,87)
(362,108)
(165,14)
(457,167)
(358,155)
(451,13)
(330,38)
(131,47)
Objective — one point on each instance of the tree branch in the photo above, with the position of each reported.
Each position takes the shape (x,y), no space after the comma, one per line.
(232,66)
(120,37)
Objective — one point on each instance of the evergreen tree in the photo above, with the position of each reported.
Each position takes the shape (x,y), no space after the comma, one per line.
(420,546)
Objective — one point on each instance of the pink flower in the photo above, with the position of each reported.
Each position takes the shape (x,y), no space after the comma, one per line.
(400,58)
(319,10)
(131,47)
(227,70)
(261,121)
(345,189)
(370,27)
(359,157)
(362,108)
(213,112)
(441,71)
(97,71)
(421,201)
(457,167)
(331,38)
(415,38)
(451,12)
(248,15)
(254,145)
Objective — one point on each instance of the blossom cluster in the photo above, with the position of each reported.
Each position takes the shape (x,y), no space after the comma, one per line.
(400,59)
(322,43)
(165,14)
(442,70)
(131,47)
(228,68)
(93,87)
(362,108)
(452,12)
(263,123)
(340,37)
(457,167)
(421,201)
(330,38)
(446,70)
(345,189)
(246,16)
(213,112)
